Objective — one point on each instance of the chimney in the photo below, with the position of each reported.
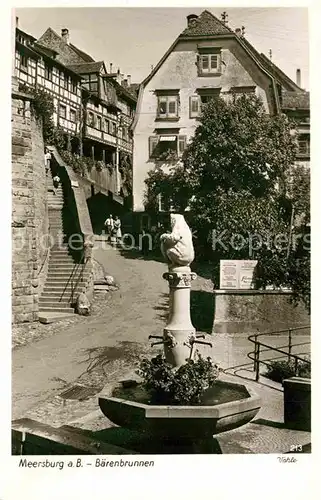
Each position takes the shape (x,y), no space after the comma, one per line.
(238,32)
(65,35)
(129,77)
(298,77)
(191,20)
(17,22)
(110,67)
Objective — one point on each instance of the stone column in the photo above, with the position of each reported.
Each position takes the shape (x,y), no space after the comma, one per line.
(179,330)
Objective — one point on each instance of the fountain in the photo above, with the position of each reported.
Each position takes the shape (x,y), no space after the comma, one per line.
(224,406)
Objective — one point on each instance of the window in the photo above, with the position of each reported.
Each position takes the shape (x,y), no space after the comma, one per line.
(72,115)
(24,62)
(91,119)
(66,83)
(112,129)
(167,106)
(207,98)
(48,73)
(91,82)
(98,122)
(194,106)
(74,86)
(207,94)
(209,61)
(166,147)
(304,145)
(62,111)
(106,122)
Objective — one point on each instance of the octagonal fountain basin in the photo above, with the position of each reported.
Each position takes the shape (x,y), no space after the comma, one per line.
(225,406)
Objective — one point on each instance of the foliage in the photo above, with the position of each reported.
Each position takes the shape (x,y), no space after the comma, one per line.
(43,107)
(238,181)
(173,186)
(126,171)
(78,163)
(280,370)
(184,386)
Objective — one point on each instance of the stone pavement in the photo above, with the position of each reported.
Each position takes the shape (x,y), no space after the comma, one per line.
(105,348)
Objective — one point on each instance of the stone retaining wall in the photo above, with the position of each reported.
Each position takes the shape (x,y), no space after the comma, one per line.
(253,311)
(29,210)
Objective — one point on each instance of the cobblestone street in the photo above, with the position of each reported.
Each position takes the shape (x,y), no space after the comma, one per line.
(97,351)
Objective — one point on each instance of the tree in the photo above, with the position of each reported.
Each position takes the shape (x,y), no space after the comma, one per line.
(239,167)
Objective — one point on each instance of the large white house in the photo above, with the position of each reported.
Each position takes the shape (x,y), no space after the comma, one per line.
(206,60)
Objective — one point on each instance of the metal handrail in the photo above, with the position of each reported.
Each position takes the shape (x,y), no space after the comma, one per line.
(73,272)
(81,272)
(258,344)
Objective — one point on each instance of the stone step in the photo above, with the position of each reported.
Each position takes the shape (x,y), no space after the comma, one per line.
(47,317)
(61,260)
(55,301)
(63,293)
(54,308)
(66,270)
(66,279)
(62,289)
(61,266)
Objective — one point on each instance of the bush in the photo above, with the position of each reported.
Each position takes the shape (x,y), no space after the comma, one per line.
(78,163)
(280,370)
(184,386)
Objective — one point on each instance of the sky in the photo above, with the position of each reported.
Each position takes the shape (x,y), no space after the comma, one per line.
(134,39)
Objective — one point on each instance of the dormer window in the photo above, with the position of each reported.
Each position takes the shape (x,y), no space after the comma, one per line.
(209,61)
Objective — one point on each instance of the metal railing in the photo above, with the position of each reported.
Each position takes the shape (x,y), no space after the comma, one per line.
(284,350)
(75,278)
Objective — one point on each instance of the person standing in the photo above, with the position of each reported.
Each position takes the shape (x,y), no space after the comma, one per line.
(47,160)
(117,229)
(109,224)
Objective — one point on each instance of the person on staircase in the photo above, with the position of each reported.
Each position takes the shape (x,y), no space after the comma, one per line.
(56,182)
(47,160)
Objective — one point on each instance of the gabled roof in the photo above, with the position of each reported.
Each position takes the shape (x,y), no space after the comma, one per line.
(43,51)
(50,52)
(85,68)
(206,24)
(124,92)
(20,32)
(295,100)
(272,68)
(134,88)
(51,33)
(81,53)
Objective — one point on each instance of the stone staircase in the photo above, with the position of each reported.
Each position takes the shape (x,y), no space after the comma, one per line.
(65,276)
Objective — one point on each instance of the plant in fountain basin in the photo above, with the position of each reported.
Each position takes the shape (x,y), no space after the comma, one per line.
(177,386)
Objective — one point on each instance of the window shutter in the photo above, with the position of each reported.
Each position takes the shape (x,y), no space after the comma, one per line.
(194,106)
(153,140)
(181,143)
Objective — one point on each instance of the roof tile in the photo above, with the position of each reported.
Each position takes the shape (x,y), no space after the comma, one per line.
(91,67)
(295,100)
(206,24)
